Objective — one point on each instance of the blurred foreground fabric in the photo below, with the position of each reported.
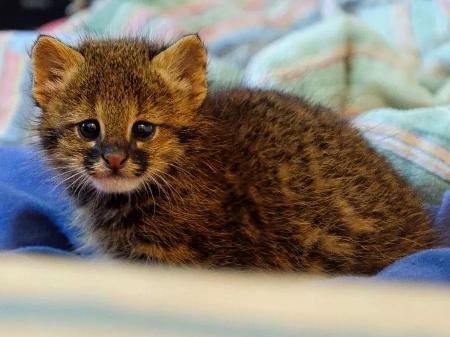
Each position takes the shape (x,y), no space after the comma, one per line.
(54,297)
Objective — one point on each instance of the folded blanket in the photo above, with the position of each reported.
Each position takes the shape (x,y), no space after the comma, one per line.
(33,209)
(35,217)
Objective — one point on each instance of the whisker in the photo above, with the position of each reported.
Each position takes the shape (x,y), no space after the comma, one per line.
(158,174)
(163,190)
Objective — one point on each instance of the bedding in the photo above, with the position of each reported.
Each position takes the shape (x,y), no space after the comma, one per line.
(355,58)
(383,65)
(58,297)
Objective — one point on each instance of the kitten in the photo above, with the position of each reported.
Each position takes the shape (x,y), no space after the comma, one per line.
(162,170)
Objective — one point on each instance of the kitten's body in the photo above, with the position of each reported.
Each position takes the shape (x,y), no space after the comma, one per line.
(242,178)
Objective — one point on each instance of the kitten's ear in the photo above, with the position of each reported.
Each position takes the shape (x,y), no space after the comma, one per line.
(183,65)
(52,62)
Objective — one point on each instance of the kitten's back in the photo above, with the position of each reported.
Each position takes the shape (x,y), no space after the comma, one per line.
(314,181)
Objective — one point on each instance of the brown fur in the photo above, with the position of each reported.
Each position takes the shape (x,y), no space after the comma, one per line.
(236,178)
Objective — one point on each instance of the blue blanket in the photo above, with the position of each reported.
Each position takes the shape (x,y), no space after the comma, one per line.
(35,213)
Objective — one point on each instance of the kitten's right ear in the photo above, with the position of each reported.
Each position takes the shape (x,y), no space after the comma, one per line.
(52,62)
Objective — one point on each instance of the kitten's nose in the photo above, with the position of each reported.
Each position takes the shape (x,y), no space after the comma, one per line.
(115,160)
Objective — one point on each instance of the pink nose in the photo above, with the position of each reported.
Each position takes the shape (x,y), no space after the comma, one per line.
(115,161)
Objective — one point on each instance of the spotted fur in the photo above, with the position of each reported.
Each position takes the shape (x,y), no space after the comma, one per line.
(240,178)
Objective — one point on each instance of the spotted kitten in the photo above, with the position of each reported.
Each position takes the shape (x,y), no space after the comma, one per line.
(163,170)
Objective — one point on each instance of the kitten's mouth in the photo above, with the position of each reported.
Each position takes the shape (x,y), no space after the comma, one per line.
(115,183)
(114,174)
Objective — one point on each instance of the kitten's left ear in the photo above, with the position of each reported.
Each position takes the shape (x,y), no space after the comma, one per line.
(183,65)
(52,62)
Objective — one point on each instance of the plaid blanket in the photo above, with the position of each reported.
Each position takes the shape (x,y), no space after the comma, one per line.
(355,57)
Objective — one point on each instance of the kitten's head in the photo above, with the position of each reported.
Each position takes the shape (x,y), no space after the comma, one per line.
(117,113)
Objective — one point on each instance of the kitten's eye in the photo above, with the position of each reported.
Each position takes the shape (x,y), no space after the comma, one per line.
(89,129)
(143,130)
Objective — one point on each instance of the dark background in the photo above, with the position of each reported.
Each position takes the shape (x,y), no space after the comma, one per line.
(29,14)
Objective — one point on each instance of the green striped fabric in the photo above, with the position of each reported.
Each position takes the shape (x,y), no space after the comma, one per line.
(356,58)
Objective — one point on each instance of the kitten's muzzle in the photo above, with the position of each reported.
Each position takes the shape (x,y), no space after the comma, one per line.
(115,160)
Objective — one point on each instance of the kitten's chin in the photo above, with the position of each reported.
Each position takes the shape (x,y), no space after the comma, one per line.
(116,184)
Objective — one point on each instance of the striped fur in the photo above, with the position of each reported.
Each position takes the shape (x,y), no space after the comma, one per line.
(249,179)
